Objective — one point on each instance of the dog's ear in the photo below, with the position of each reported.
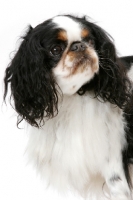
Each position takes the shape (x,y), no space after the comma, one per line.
(32,84)
(107,50)
(104,43)
(111,82)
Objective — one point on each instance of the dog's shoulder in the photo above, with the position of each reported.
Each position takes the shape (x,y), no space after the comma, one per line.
(128,61)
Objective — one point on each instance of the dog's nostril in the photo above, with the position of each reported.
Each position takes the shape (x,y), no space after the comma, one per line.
(74,47)
(78,47)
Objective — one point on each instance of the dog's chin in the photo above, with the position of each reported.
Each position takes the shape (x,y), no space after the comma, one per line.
(72,83)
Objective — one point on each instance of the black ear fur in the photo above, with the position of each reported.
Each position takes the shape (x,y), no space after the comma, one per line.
(111,83)
(108,50)
(32,84)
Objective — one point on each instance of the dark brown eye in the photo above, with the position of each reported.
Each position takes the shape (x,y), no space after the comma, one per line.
(56,50)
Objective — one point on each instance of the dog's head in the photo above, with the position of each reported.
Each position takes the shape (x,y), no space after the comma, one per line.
(64,55)
(75,54)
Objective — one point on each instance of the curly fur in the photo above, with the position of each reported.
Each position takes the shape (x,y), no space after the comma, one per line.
(36,93)
(32,85)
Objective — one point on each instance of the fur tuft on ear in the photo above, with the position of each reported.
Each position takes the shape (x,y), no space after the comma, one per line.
(32,84)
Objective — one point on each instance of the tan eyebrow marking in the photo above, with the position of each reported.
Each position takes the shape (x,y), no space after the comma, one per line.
(84,33)
(62,36)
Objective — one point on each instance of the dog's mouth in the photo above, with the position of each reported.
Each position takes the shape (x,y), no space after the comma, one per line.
(80,62)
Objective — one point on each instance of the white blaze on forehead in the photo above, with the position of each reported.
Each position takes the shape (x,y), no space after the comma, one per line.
(71,27)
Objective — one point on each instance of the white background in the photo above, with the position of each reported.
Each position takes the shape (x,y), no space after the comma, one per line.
(18,181)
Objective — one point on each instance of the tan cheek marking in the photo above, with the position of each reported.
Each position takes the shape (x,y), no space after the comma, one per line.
(77,67)
(62,36)
(84,33)
(74,55)
(72,58)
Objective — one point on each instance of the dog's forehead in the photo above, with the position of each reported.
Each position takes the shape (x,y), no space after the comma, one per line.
(73,29)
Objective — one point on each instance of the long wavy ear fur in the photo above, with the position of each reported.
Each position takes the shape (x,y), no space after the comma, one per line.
(111,83)
(32,84)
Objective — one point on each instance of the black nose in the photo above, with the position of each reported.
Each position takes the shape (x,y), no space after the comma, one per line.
(78,46)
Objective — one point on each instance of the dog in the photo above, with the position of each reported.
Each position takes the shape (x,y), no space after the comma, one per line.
(68,83)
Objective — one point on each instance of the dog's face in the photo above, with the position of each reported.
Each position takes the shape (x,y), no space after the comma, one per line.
(73,51)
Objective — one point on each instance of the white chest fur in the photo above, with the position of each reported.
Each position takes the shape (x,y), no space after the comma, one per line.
(78,143)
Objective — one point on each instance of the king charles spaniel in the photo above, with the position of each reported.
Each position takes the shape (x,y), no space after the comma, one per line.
(69,84)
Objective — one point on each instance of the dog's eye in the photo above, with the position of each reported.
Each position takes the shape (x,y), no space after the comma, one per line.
(56,50)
